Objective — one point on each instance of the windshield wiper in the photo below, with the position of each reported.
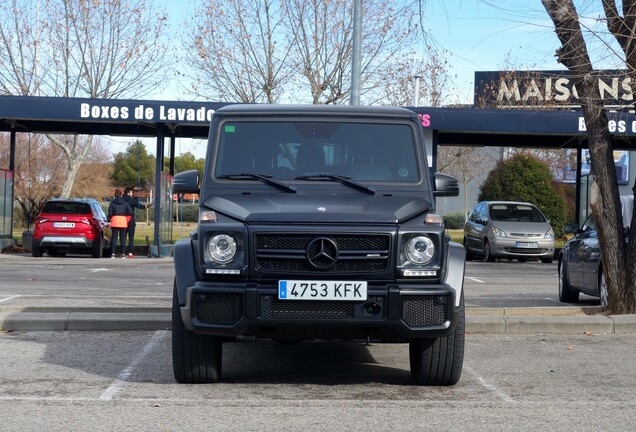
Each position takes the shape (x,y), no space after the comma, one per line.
(341,179)
(262,177)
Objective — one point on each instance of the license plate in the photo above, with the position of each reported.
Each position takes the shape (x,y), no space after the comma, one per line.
(322,290)
(526,245)
(64,224)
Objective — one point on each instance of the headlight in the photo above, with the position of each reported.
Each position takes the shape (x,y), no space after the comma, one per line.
(498,232)
(420,250)
(549,235)
(222,248)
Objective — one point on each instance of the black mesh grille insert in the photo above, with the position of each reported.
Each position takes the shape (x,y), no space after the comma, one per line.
(424,310)
(221,308)
(273,308)
(357,253)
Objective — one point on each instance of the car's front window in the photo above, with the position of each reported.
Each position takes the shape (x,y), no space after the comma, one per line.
(515,213)
(297,149)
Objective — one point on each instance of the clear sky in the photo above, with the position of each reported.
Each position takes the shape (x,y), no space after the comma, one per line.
(477,35)
(482,35)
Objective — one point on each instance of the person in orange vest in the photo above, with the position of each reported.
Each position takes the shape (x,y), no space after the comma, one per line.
(134,203)
(119,213)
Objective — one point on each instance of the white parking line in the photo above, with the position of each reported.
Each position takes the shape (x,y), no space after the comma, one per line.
(490,387)
(475,279)
(123,376)
(9,298)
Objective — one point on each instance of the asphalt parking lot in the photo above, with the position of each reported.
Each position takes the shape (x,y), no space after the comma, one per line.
(122,379)
(81,281)
(82,293)
(105,381)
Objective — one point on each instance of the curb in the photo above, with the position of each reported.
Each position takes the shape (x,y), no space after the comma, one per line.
(84,321)
(161,320)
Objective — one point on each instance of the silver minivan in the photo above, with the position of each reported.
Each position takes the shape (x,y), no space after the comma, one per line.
(508,229)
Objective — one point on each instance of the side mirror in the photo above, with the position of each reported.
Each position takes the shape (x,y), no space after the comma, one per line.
(445,185)
(186,182)
(572,228)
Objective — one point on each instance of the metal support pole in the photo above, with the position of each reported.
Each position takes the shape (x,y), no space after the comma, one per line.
(357,50)
(172,154)
(577,200)
(158,193)
(416,93)
(12,183)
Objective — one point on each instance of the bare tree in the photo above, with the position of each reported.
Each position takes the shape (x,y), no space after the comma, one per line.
(399,88)
(238,50)
(76,48)
(40,172)
(465,163)
(293,50)
(619,256)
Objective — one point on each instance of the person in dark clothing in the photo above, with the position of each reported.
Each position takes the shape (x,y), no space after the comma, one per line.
(134,204)
(119,212)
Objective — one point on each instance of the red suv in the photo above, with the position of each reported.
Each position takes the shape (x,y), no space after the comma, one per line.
(75,225)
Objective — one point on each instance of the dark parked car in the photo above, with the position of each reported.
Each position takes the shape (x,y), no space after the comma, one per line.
(318,223)
(580,261)
(71,225)
(508,229)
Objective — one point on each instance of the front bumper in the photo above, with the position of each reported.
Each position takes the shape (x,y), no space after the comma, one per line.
(393,311)
(510,247)
(390,312)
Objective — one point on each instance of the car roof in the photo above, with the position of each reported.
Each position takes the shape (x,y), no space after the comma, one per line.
(317,109)
(509,202)
(79,200)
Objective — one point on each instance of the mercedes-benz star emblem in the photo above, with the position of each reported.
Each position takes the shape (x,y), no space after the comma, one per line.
(322,253)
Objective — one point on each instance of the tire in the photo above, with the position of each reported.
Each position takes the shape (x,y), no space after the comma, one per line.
(36,251)
(567,294)
(487,255)
(438,362)
(196,359)
(97,251)
(603,294)
(469,254)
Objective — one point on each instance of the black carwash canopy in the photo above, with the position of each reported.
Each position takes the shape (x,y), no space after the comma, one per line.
(180,119)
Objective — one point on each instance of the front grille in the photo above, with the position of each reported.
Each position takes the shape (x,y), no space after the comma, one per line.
(525,251)
(221,308)
(272,308)
(524,235)
(361,253)
(424,310)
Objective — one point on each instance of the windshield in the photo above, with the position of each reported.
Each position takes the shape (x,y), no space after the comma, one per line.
(516,213)
(294,150)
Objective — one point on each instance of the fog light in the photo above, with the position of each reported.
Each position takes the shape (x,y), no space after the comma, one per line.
(419,273)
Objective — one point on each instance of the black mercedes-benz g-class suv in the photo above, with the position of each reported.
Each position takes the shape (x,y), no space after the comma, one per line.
(318,222)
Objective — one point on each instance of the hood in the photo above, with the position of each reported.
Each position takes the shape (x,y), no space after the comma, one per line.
(513,227)
(297,208)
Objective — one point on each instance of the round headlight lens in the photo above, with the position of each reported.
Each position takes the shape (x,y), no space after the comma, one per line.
(222,248)
(420,250)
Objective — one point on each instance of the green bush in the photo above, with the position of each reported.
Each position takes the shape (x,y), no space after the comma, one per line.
(187,212)
(454,220)
(525,178)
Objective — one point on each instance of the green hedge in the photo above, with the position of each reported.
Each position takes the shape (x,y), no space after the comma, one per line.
(523,177)
(454,220)
(184,212)
(187,212)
